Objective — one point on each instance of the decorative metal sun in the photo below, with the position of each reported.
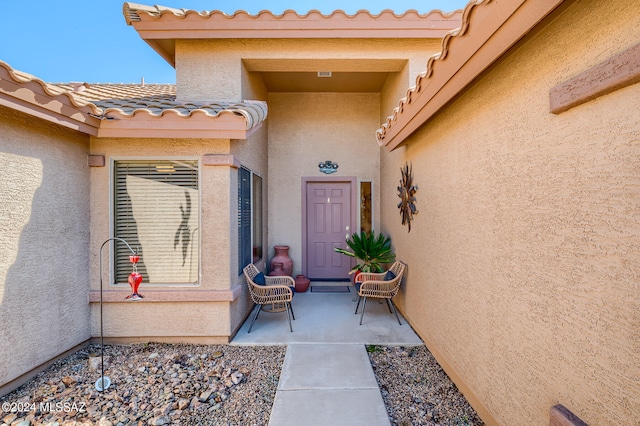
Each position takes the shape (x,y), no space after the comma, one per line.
(406,192)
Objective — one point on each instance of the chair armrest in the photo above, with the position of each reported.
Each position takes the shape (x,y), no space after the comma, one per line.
(369,276)
(380,288)
(279,280)
(272,293)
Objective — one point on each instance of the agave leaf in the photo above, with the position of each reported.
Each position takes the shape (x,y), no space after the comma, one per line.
(372,250)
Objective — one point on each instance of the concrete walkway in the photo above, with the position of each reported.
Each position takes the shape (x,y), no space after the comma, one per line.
(327,384)
(327,378)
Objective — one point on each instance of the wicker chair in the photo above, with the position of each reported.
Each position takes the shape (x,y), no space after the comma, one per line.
(380,286)
(277,292)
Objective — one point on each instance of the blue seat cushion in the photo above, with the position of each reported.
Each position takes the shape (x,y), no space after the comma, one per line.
(389,276)
(259,279)
(293,290)
(358,285)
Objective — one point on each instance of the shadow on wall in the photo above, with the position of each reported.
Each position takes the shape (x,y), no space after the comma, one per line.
(44,259)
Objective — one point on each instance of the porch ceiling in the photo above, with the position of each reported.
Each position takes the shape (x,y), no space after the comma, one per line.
(351,82)
(347,75)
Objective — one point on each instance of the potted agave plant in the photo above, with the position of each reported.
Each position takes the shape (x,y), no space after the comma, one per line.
(371,251)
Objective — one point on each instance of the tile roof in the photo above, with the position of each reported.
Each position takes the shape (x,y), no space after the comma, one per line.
(87,107)
(161,26)
(487,31)
(134,12)
(157,100)
(29,94)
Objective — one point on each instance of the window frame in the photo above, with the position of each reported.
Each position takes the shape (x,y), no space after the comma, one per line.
(112,218)
(253,216)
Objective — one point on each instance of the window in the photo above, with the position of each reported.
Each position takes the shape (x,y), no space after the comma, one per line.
(257,218)
(157,211)
(366,206)
(249,218)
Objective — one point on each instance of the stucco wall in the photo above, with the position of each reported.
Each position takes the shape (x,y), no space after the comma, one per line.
(523,271)
(252,154)
(304,130)
(212,69)
(44,262)
(218,203)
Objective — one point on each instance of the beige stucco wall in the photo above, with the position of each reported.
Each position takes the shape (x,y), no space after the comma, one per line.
(218,238)
(523,259)
(213,69)
(304,130)
(44,262)
(251,154)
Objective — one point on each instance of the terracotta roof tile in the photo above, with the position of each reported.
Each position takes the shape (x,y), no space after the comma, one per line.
(488,30)
(133,12)
(422,80)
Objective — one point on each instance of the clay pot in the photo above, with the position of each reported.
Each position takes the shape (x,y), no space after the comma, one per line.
(302,283)
(282,256)
(276,270)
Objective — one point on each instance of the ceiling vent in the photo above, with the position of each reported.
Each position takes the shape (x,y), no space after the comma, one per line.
(324,74)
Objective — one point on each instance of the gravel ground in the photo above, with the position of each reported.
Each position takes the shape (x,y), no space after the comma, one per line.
(416,390)
(154,384)
(161,384)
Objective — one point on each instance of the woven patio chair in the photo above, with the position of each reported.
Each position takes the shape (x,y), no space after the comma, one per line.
(265,291)
(383,285)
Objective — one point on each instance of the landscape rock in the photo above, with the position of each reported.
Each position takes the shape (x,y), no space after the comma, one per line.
(220,385)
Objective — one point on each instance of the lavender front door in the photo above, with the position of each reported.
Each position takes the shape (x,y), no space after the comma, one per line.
(329,215)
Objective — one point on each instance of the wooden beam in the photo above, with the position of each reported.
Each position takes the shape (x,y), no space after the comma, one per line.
(619,71)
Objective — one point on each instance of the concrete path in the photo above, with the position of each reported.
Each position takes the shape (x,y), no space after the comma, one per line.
(327,384)
(326,377)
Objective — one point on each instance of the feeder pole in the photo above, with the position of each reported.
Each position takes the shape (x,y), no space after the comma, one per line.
(101,380)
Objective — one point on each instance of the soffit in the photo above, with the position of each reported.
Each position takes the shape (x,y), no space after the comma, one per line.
(347,75)
(160,26)
(489,29)
(356,82)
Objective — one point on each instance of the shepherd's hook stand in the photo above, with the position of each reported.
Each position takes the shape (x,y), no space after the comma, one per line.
(103,382)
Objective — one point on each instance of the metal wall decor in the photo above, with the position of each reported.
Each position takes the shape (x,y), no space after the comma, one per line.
(406,191)
(328,167)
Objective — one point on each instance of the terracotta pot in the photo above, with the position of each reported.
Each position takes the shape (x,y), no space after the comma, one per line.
(302,283)
(282,256)
(276,270)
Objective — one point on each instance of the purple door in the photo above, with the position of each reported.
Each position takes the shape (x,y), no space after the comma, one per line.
(328,222)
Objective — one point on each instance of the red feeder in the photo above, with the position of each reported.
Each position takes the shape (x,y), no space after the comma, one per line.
(135,278)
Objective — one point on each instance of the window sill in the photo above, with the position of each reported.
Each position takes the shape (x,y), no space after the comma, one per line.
(118,296)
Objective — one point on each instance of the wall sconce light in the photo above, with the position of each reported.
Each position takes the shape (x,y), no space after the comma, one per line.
(328,167)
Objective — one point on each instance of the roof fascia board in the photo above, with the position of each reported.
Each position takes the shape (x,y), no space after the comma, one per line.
(48,115)
(193,24)
(171,125)
(297,33)
(176,133)
(489,30)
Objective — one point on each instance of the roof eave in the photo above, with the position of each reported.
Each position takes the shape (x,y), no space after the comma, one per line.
(32,96)
(175,126)
(489,30)
(160,26)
